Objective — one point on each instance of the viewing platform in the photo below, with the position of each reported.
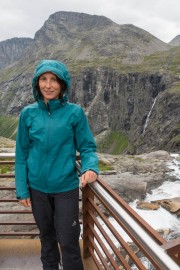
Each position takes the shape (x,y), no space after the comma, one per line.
(24,254)
(102,244)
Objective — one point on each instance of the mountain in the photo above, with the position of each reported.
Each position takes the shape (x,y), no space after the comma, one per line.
(175,41)
(12,50)
(81,37)
(117,73)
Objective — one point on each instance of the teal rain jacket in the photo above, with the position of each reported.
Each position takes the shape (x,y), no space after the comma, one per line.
(47,140)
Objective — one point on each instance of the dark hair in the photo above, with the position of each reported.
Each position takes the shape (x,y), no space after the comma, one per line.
(61,82)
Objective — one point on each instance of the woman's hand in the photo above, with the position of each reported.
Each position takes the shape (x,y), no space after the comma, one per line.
(26,202)
(88,177)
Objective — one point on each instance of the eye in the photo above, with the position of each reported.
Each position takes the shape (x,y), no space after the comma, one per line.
(42,78)
(54,79)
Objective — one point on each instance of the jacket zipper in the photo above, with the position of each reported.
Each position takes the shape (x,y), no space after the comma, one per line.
(48,135)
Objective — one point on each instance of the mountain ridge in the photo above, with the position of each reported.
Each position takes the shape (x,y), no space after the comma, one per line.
(116,71)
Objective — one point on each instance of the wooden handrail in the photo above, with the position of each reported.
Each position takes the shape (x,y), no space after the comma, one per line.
(152,246)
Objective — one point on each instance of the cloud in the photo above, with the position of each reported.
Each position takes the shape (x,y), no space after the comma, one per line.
(19,18)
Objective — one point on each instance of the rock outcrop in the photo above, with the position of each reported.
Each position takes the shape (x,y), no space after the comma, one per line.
(137,175)
(12,50)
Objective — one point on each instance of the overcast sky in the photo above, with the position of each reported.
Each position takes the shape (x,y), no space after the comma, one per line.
(22,18)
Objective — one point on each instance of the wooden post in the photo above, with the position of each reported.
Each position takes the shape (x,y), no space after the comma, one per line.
(173,249)
(86,207)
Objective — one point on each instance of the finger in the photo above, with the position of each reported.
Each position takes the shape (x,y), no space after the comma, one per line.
(28,202)
(24,202)
(90,176)
(83,181)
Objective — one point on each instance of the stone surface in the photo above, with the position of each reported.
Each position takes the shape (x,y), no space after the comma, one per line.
(138,174)
(147,206)
(172,205)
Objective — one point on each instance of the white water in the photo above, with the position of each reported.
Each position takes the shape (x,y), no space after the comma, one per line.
(148,116)
(161,219)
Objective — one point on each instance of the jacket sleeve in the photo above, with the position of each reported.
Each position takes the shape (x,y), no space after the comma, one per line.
(22,153)
(85,144)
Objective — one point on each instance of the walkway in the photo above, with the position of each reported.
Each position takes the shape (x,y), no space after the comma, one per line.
(24,254)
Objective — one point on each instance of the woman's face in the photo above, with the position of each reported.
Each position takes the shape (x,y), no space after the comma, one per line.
(49,86)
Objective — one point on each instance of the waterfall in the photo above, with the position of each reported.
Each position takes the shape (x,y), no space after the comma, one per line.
(148,116)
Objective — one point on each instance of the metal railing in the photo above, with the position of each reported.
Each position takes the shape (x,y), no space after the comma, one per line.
(10,207)
(151,247)
(106,217)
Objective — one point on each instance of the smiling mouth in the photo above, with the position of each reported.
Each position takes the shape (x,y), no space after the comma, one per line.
(49,92)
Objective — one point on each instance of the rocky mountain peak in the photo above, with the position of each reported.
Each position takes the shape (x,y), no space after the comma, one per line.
(12,50)
(66,26)
(80,36)
(175,41)
(82,21)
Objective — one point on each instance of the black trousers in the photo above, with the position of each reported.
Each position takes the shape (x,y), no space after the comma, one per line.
(57,217)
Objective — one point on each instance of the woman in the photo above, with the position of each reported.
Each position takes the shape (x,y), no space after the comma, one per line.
(50,132)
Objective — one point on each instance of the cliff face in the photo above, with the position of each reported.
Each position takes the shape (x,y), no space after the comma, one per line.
(142,106)
(12,50)
(126,79)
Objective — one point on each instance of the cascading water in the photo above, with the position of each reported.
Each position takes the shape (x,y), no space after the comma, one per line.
(148,116)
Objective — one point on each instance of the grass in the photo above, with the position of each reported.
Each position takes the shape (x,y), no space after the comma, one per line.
(114,143)
(6,169)
(8,126)
(104,167)
(175,89)
(176,141)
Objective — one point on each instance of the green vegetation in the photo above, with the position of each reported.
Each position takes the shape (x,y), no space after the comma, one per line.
(167,61)
(176,136)
(104,167)
(175,89)
(8,126)
(114,143)
(6,169)
(176,141)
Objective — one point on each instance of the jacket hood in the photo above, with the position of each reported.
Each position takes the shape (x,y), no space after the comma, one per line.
(56,67)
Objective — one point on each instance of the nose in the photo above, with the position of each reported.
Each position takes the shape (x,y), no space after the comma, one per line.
(48,83)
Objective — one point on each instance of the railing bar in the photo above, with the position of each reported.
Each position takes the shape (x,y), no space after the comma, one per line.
(102,245)
(95,259)
(7,188)
(19,233)
(8,200)
(157,237)
(152,250)
(119,238)
(18,223)
(7,162)
(109,241)
(7,175)
(98,253)
(15,212)
(7,155)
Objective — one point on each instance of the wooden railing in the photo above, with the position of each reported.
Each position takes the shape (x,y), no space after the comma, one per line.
(146,244)
(9,206)
(102,239)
